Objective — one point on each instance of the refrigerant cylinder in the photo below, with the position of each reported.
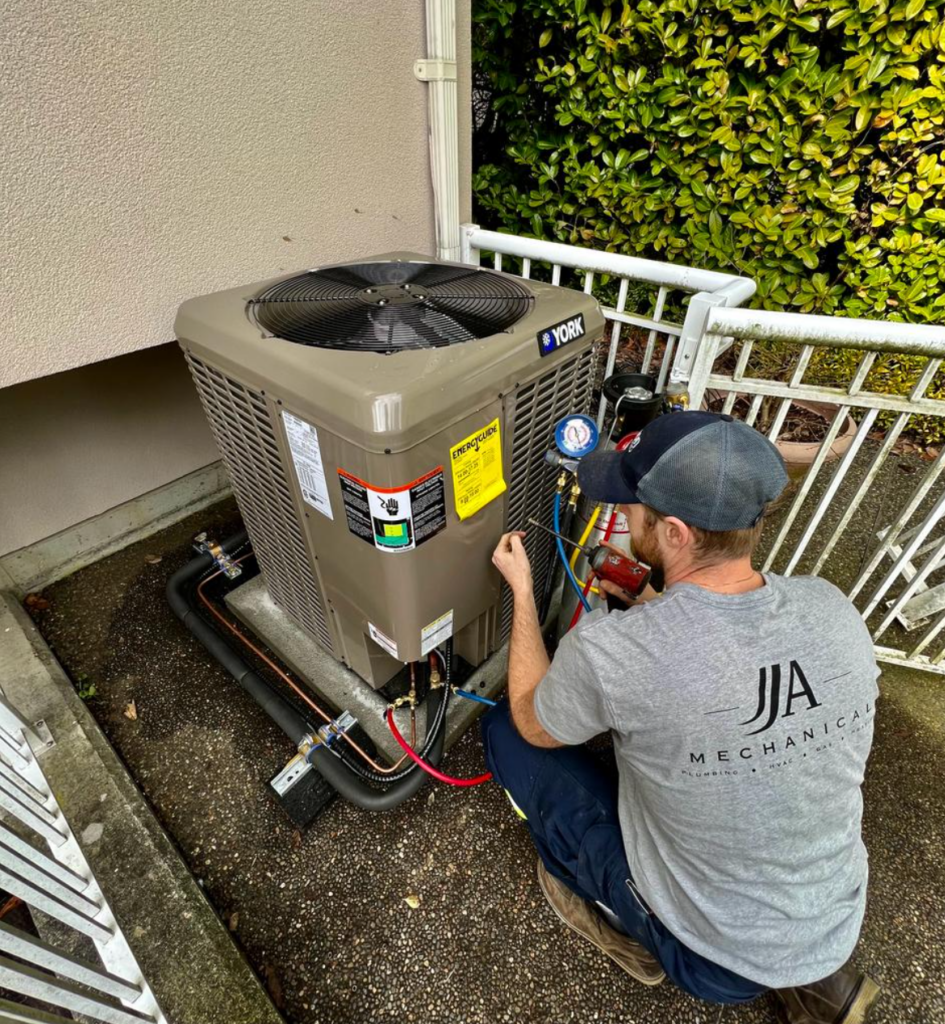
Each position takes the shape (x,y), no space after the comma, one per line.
(633,400)
(634,403)
(620,538)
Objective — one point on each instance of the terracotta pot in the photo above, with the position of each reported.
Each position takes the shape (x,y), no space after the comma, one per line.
(798,455)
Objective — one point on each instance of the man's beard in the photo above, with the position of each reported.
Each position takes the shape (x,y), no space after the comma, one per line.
(646,549)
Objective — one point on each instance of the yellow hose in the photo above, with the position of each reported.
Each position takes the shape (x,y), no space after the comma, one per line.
(582,542)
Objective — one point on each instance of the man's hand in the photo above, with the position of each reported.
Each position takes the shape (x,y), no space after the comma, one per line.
(647,594)
(511,560)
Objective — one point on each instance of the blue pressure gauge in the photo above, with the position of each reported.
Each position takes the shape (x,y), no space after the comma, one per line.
(576,435)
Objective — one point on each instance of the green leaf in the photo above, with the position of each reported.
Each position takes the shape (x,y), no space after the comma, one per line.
(877,65)
(839,17)
(936,213)
(545,38)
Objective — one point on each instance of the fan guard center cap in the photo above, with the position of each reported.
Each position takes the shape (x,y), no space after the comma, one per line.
(391,295)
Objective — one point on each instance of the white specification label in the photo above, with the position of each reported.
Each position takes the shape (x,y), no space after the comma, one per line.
(437,632)
(383,640)
(307,456)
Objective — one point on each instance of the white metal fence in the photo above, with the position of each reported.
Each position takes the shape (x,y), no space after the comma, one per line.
(42,864)
(670,343)
(864,515)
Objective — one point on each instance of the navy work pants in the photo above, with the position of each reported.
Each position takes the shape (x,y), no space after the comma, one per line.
(569,799)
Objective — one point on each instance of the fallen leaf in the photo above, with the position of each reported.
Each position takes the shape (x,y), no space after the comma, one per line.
(274,985)
(35,603)
(233,921)
(131,711)
(412,901)
(152,559)
(285,238)
(296,838)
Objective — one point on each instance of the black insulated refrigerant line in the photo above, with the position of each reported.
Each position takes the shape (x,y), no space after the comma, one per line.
(179,592)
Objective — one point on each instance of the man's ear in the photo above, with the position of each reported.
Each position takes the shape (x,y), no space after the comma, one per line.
(676,533)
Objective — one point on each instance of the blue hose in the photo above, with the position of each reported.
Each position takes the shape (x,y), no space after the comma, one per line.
(473,696)
(563,556)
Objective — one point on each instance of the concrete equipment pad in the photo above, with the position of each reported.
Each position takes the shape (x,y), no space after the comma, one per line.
(344,690)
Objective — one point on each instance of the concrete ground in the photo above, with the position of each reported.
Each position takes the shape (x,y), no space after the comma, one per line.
(322,915)
(187,957)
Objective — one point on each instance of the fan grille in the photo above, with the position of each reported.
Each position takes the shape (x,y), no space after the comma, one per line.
(390,307)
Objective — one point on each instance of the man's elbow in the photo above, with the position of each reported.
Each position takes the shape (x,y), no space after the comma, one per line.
(529,728)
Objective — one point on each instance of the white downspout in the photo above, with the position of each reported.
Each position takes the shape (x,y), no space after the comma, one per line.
(439,70)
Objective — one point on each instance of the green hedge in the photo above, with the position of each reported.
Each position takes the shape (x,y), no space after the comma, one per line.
(800,143)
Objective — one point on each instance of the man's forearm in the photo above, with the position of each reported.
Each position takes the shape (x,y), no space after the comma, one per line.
(528,663)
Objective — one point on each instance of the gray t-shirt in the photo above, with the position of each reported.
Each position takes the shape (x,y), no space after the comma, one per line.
(741,724)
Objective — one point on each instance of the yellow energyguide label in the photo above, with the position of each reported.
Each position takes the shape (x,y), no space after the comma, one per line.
(477,470)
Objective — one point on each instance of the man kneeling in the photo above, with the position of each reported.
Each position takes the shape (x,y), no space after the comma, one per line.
(725,850)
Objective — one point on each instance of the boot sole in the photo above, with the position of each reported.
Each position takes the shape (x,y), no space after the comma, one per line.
(644,979)
(865,998)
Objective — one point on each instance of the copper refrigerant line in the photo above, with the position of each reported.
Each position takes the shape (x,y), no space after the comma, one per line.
(241,636)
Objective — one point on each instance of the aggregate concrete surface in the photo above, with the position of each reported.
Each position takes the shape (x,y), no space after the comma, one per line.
(322,915)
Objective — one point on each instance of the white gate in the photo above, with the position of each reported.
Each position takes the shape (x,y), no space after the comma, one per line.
(864,516)
(42,864)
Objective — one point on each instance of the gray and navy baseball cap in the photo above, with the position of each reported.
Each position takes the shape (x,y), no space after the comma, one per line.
(709,470)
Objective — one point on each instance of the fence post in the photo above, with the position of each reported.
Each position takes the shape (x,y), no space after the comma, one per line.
(692,335)
(468,252)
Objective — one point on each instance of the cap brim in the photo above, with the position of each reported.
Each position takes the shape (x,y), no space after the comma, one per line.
(601,480)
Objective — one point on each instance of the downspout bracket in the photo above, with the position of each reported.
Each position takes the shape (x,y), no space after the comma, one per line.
(430,70)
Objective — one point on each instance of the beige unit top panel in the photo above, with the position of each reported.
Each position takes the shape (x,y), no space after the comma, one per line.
(380,402)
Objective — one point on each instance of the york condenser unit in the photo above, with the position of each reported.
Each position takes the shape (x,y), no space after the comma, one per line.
(383,422)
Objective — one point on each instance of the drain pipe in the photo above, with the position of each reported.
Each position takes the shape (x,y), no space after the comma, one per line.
(439,70)
(332,769)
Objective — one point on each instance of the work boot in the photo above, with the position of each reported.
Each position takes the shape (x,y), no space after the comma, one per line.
(843,998)
(581,917)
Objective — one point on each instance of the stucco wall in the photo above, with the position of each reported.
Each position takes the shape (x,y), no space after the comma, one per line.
(156,151)
(80,442)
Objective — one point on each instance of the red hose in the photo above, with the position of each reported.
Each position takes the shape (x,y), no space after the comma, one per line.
(608,533)
(435,772)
